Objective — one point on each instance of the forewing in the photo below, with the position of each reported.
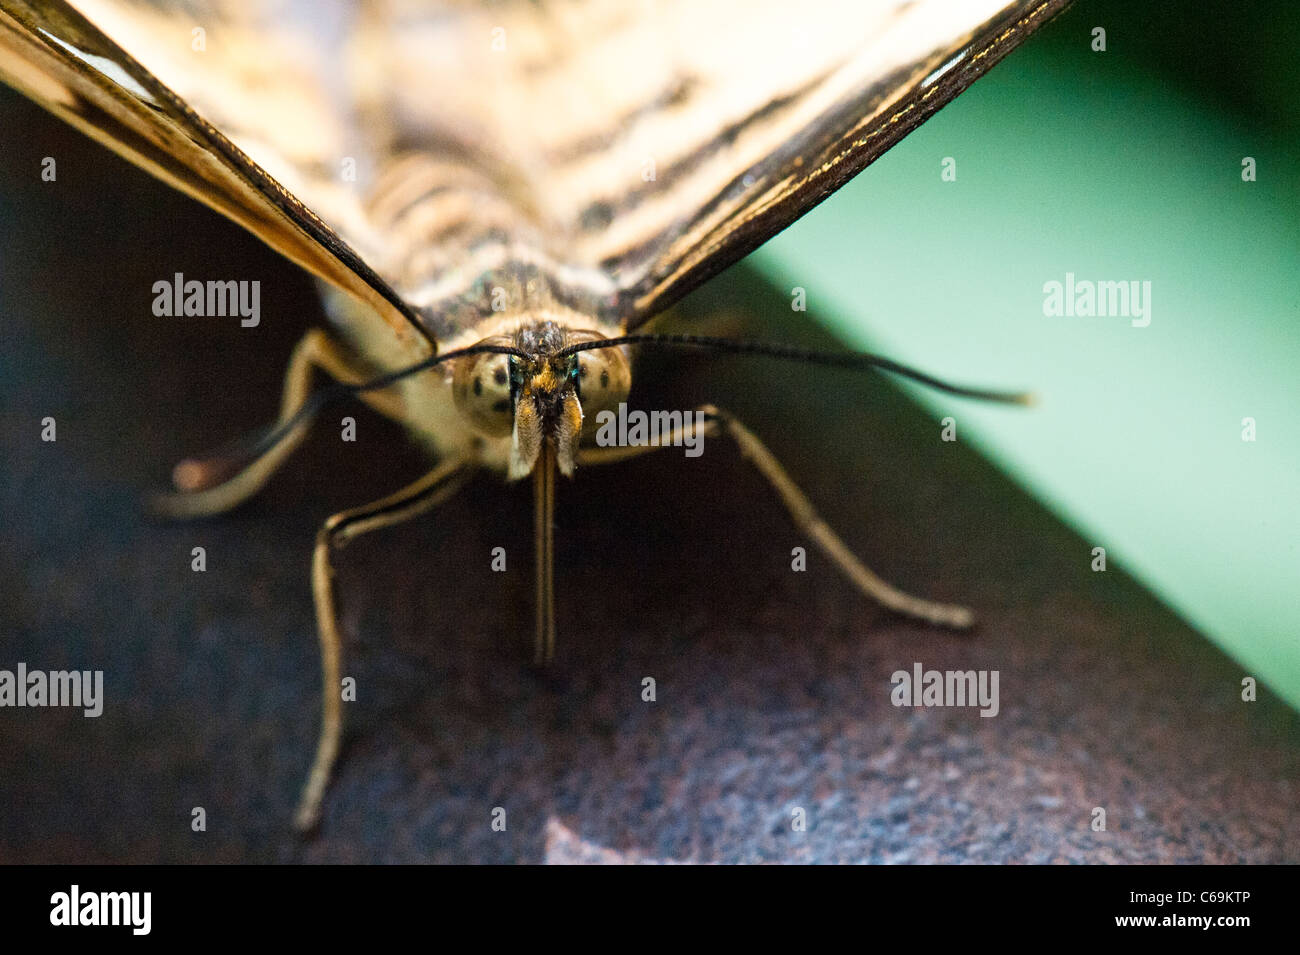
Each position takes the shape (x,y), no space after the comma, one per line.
(804,108)
(604,155)
(68,63)
(624,152)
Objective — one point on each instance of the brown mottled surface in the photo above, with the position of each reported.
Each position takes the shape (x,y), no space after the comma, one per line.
(773,686)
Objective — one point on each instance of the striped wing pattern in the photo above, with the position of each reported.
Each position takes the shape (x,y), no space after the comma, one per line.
(432,157)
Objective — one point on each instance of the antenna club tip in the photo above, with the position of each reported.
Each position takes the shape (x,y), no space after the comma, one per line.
(1028,399)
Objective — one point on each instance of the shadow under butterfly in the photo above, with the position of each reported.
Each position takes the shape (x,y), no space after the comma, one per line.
(497,201)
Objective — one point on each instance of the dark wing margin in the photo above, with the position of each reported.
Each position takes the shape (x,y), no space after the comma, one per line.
(813,165)
(525,170)
(53,55)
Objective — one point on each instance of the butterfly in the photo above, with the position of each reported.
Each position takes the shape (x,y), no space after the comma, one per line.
(498,199)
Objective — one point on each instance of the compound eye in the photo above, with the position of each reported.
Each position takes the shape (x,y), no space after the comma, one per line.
(603,380)
(481,389)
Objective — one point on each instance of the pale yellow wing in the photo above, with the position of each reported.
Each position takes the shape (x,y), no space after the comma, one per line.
(54,55)
(606,154)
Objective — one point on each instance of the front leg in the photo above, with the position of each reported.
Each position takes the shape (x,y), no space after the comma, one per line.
(199,496)
(804,514)
(414,499)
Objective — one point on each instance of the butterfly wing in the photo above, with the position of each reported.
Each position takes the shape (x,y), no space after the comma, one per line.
(63,60)
(612,155)
(815,95)
(601,154)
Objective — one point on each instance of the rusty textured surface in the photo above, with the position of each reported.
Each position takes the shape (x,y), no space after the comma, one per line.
(773,686)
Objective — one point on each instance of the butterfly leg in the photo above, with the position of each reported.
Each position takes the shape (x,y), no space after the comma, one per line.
(810,522)
(805,517)
(411,501)
(317,351)
(675,438)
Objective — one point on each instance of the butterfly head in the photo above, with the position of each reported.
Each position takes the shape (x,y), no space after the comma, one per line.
(539,393)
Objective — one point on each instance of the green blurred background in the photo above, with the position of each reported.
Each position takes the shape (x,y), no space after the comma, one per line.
(1116,165)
